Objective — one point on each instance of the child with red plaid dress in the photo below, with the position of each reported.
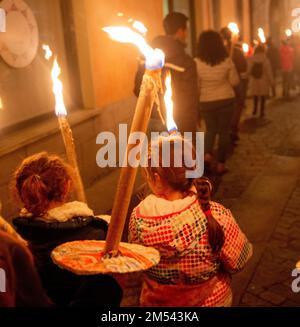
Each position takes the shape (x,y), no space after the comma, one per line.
(199,241)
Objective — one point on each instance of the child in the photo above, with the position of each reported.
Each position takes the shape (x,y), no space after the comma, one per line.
(261,79)
(199,241)
(43,184)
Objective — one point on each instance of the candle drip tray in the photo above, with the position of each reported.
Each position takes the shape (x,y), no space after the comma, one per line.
(87,258)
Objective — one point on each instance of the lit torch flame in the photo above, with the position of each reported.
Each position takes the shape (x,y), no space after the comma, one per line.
(288,32)
(171,125)
(60,108)
(48,52)
(234,28)
(261,35)
(246,48)
(1,104)
(140,27)
(154,57)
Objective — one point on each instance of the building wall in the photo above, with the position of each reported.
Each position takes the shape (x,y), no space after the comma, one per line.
(111,65)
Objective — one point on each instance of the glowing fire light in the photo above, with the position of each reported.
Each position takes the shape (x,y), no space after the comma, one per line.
(154,57)
(139,26)
(1,104)
(48,52)
(245,48)
(171,125)
(57,89)
(288,32)
(234,28)
(60,108)
(261,35)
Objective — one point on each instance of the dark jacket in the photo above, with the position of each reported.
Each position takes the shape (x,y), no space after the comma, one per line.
(185,91)
(22,283)
(64,287)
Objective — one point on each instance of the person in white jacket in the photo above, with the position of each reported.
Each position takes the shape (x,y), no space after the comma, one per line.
(217,76)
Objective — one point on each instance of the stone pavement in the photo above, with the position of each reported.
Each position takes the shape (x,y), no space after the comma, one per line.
(262,188)
(263,191)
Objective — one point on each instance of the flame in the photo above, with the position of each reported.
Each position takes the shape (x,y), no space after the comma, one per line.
(1,104)
(234,28)
(288,32)
(171,125)
(48,52)
(246,47)
(139,26)
(60,108)
(261,35)
(154,57)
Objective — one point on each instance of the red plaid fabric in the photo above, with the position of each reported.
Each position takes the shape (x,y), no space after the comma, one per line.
(186,256)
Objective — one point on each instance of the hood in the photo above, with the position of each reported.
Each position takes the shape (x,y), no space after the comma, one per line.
(173,227)
(154,206)
(63,213)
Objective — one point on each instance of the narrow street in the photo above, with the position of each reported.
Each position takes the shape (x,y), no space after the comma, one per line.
(263,191)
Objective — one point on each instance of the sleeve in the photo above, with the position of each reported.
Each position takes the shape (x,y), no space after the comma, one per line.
(132,230)
(233,75)
(237,250)
(29,291)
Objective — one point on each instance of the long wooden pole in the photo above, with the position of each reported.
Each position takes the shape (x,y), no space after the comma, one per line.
(151,81)
(71,156)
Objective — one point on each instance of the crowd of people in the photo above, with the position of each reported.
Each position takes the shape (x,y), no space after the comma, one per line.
(200,243)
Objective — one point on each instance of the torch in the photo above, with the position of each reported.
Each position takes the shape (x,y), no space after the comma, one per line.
(234,36)
(114,256)
(151,86)
(288,33)
(261,35)
(64,126)
(246,48)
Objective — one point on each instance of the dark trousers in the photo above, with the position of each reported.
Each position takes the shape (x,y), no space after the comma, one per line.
(218,122)
(256,100)
(286,83)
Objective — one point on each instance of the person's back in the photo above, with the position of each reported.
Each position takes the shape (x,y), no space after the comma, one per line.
(287,58)
(47,220)
(216,82)
(199,241)
(180,234)
(20,285)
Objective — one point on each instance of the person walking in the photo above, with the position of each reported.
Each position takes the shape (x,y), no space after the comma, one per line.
(199,241)
(184,84)
(287,59)
(217,76)
(274,58)
(261,79)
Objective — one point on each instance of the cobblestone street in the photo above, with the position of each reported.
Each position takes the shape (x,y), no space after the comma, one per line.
(263,191)
(262,188)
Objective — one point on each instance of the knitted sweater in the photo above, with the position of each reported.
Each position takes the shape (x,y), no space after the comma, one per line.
(178,230)
(216,82)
